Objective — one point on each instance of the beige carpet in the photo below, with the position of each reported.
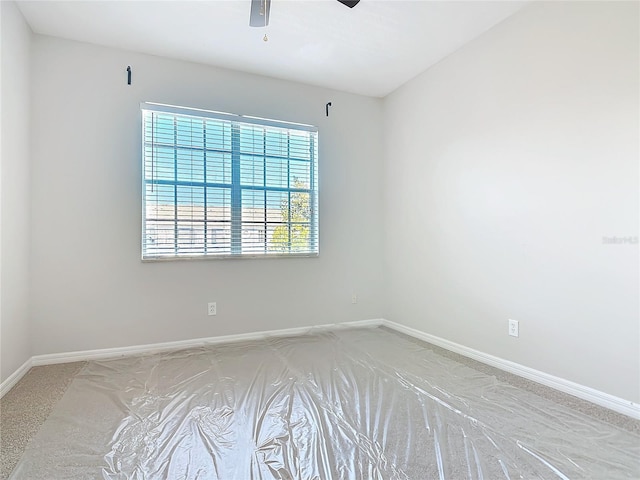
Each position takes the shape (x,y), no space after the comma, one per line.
(454,393)
(582,406)
(27,405)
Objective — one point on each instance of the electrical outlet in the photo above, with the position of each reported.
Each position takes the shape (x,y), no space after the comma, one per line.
(514,328)
(212,310)
(354,298)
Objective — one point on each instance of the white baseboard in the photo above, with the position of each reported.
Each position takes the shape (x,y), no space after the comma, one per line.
(597,397)
(105,353)
(99,354)
(592,395)
(15,377)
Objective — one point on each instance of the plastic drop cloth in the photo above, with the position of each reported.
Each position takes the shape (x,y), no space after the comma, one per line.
(350,404)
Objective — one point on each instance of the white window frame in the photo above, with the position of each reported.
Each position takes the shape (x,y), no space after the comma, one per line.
(262,230)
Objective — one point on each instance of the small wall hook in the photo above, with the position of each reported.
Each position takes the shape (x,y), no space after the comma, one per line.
(129,75)
(327,108)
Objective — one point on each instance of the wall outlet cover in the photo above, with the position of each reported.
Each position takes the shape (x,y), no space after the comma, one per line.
(514,328)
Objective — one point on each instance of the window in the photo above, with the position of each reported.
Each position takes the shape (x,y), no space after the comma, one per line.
(222,185)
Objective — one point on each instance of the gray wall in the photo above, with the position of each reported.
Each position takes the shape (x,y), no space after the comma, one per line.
(90,289)
(506,164)
(15,344)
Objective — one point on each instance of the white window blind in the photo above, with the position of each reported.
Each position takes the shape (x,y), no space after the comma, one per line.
(222,185)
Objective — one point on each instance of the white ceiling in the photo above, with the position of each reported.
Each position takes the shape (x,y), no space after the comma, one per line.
(371,49)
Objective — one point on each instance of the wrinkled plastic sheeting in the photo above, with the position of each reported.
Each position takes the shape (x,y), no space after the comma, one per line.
(349,404)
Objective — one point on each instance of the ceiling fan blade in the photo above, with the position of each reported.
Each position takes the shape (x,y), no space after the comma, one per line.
(349,3)
(259,13)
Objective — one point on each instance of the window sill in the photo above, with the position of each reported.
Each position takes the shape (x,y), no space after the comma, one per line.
(227,257)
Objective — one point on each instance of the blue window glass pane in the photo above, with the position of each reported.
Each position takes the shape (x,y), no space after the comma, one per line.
(159,201)
(189,132)
(219,238)
(300,207)
(251,170)
(218,167)
(162,162)
(219,204)
(254,237)
(190,165)
(276,143)
(277,206)
(218,135)
(277,172)
(190,202)
(160,238)
(190,237)
(278,239)
(300,145)
(300,174)
(163,131)
(252,139)
(253,206)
